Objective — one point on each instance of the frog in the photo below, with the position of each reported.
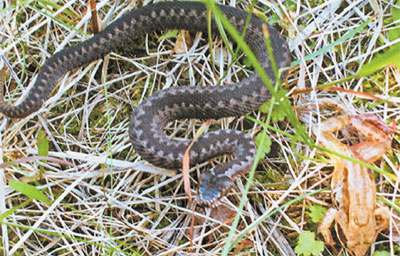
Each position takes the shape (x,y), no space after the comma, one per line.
(353,187)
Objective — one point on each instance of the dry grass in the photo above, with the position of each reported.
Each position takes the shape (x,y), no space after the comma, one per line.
(105,200)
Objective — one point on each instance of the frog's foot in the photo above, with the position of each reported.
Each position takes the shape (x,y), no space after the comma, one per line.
(382,217)
(329,217)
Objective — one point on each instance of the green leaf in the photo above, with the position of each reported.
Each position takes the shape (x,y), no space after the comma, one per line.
(279,113)
(169,34)
(390,57)
(247,62)
(291,5)
(281,101)
(42,148)
(28,190)
(395,32)
(12,6)
(317,212)
(307,245)
(337,42)
(274,19)
(263,142)
(56,6)
(265,107)
(396,11)
(381,253)
(42,144)
(14,209)
(262,16)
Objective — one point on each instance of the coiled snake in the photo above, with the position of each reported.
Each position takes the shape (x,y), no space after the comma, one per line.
(150,117)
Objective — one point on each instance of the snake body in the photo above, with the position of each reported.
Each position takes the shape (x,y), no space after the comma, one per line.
(150,117)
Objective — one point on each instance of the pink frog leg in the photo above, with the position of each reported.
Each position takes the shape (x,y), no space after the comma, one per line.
(377,143)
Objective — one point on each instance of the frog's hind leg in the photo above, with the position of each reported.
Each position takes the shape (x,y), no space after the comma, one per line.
(330,216)
(377,142)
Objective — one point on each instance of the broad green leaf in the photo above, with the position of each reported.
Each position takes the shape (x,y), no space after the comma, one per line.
(390,57)
(395,32)
(307,245)
(317,212)
(281,101)
(263,142)
(42,144)
(28,190)
(42,148)
(396,11)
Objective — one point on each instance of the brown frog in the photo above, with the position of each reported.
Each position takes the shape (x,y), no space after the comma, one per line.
(353,187)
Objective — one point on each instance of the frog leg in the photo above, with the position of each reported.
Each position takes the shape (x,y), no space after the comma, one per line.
(330,216)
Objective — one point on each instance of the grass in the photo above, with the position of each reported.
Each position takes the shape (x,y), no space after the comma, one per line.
(105,201)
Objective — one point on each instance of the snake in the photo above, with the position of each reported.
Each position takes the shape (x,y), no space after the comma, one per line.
(151,115)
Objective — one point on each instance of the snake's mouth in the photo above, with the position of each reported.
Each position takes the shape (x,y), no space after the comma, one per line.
(213,186)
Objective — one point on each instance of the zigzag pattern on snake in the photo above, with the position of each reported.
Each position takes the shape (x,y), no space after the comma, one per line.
(150,117)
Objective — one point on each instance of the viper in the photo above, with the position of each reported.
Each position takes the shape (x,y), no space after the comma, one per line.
(151,115)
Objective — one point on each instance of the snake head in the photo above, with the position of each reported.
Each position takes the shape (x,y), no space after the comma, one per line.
(213,186)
